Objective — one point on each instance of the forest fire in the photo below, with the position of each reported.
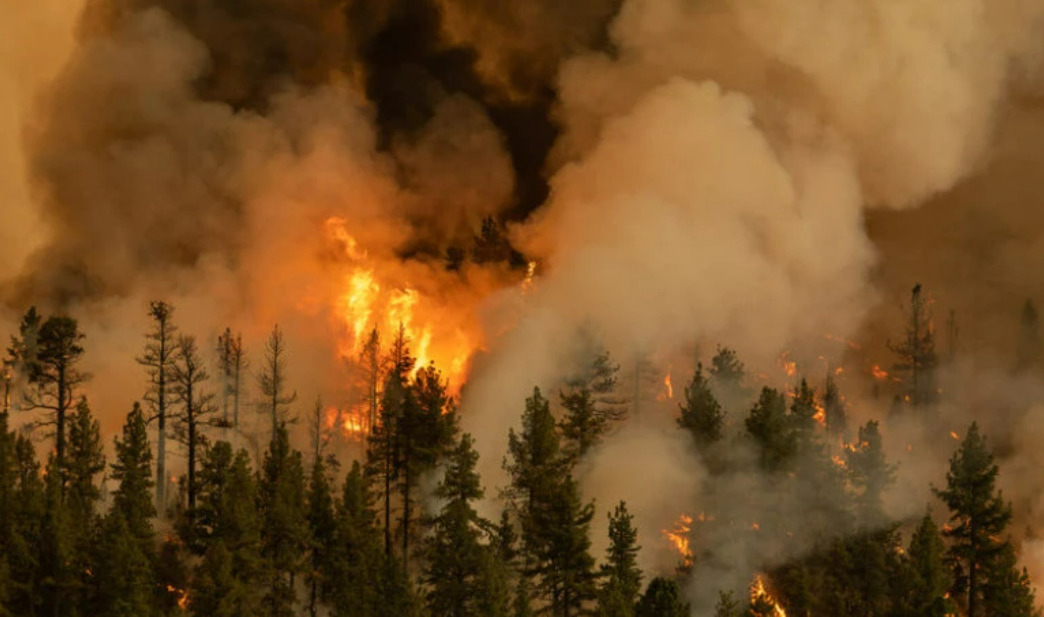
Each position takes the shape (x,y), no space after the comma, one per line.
(760,597)
(678,538)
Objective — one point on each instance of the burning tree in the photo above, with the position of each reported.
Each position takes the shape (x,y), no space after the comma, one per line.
(916,351)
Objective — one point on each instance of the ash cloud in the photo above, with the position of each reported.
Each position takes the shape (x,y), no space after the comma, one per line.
(686,173)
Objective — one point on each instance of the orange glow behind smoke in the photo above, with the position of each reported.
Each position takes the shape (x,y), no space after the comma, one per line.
(879,373)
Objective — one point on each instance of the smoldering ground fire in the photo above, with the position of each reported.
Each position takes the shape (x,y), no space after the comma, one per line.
(492,179)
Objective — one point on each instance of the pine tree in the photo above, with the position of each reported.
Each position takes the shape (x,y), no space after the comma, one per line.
(563,559)
(662,599)
(621,577)
(357,560)
(456,559)
(284,523)
(590,406)
(231,364)
(133,471)
(834,413)
(26,512)
(48,354)
(916,352)
(535,468)
(322,525)
(158,359)
(978,516)
(426,427)
(123,576)
(272,381)
(227,579)
(803,417)
(870,474)
(768,425)
(928,580)
(701,414)
(188,378)
(727,375)
(1029,338)
(1007,590)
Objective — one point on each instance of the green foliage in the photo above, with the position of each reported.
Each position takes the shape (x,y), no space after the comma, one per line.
(621,577)
(132,469)
(869,474)
(926,577)
(589,404)
(662,599)
(771,431)
(322,525)
(284,523)
(835,415)
(701,414)
(356,560)
(978,517)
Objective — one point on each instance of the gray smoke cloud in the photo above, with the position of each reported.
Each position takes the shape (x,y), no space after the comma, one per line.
(737,172)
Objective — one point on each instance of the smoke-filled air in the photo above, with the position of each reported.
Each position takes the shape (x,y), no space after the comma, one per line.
(454,308)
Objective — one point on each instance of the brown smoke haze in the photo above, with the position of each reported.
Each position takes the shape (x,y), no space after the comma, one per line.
(762,174)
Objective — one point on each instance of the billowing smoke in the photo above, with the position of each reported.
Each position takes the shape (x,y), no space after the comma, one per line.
(685,174)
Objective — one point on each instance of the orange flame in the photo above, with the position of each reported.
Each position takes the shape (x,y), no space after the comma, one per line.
(678,537)
(789,366)
(955,436)
(758,593)
(879,373)
(372,297)
(527,283)
(183,596)
(820,415)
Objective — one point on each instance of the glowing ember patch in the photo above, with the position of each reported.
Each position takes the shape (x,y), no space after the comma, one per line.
(759,596)
(678,537)
(820,415)
(955,436)
(183,597)
(879,373)
(840,462)
(789,367)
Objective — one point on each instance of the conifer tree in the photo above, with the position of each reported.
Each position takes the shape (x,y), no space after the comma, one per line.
(727,606)
(870,474)
(768,425)
(25,543)
(132,469)
(456,559)
(621,577)
(1007,590)
(123,576)
(284,522)
(48,354)
(356,564)
(928,578)
(803,417)
(834,413)
(189,377)
(727,375)
(272,381)
(701,414)
(662,599)
(978,516)
(231,364)
(916,352)
(227,580)
(158,360)
(426,426)
(322,526)
(590,405)
(563,560)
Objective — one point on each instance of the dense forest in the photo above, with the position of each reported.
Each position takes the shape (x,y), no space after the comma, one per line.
(303,533)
